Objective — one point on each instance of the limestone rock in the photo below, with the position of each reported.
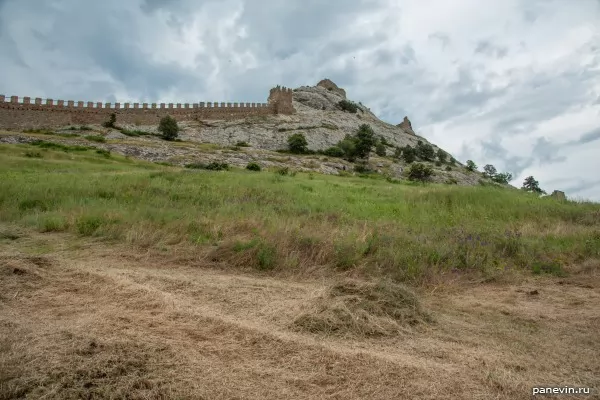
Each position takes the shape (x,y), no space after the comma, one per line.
(406,126)
(332,87)
(558,195)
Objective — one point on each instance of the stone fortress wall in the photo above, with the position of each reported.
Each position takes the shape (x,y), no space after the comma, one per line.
(24,113)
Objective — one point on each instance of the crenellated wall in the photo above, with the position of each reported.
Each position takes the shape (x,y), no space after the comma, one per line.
(27,114)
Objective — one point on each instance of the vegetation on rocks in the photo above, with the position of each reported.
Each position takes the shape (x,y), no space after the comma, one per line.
(168,128)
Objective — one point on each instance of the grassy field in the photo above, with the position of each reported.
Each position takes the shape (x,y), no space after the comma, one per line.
(126,279)
(297,223)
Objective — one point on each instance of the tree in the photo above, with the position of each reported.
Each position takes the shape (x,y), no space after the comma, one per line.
(503,177)
(471,166)
(442,156)
(425,151)
(365,139)
(419,172)
(531,185)
(489,171)
(409,154)
(297,143)
(168,128)
(380,149)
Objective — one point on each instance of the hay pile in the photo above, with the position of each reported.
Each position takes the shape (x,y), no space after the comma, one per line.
(363,309)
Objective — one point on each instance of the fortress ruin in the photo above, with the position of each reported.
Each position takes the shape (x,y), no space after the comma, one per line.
(40,113)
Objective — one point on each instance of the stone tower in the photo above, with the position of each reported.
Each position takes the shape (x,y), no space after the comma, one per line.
(280,100)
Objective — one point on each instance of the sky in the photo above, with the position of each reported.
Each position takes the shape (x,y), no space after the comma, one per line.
(514,83)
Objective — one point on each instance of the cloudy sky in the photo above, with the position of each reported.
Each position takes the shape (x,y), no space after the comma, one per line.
(514,83)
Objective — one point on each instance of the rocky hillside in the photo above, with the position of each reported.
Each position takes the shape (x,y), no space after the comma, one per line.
(318,117)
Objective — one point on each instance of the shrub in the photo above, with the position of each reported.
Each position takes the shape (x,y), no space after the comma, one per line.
(448,168)
(409,155)
(297,144)
(253,167)
(419,172)
(213,166)
(442,156)
(30,154)
(384,141)
(242,144)
(348,146)
(283,171)
(334,151)
(111,121)
(425,151)
(96,138)
(380,149)
(452,161)
(531,185)
(102,152)
(349,106)
(438,163)
(168,128)
(471,166)
(362,168)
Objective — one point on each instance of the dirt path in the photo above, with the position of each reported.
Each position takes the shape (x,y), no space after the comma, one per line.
(101,322)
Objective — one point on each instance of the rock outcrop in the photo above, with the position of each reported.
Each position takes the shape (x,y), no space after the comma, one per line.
(406,126)
(558,195)
(332,87)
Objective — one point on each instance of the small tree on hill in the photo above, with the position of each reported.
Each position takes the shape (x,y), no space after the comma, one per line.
(489,171)
(531,185)
(409,155)
(419,172)
(471,166)
(442,156)
(348,146)
(503,177)
(297,144)
(168,128)
(365,139)
(347,105)
(425,151)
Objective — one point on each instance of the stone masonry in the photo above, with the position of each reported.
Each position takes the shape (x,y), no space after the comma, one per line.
(28,114)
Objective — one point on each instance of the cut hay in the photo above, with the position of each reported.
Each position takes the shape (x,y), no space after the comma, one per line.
(363,309)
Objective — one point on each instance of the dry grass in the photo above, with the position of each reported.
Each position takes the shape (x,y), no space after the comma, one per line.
(86,320)
(363,308)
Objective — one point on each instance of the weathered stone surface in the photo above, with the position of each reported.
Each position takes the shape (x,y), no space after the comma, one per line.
(558,195)
(406,126)
(332,87)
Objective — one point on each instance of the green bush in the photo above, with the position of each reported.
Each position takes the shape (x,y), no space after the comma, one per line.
(297,144)
(442,156)
(213,166)
(349,106)
(96,138)
(425,151)
(419,172)
(438,163)
(283,171)
(489,171)
(334,151)
(409,154)
(448,168)
(30,154)
(362,168)
(380,149)
(168,128)
(242,144)
(253,167)
(102,152)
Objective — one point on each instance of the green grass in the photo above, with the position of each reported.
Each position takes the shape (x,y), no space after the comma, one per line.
(282,222)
